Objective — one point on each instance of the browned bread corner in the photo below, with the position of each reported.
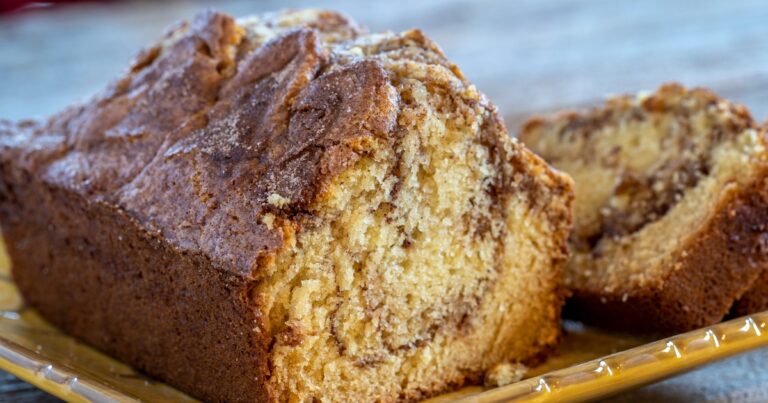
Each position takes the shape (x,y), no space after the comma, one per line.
(285,208)
(671,199)
(754,300)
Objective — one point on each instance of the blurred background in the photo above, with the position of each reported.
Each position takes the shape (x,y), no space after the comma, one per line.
(528,56)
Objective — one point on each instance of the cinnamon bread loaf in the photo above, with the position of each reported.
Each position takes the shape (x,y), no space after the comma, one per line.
(285,208)
(671,203)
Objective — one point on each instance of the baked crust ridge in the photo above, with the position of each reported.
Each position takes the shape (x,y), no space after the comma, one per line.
(670,189)
(258,211)
(706,279)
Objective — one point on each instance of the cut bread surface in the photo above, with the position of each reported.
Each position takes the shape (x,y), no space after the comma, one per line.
(669,191)
(427,239)
(318,213)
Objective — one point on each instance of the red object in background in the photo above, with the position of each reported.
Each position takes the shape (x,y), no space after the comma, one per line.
(10,5)
(6,6)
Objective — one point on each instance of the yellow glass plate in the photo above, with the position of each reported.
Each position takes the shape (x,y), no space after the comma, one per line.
(40,354)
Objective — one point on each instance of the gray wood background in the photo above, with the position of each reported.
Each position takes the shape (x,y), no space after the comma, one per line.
(528,56)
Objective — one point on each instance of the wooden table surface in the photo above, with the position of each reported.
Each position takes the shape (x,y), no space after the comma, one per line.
(528,56)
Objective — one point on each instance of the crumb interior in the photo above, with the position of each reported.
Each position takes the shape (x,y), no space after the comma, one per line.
(406,273)
(645,168)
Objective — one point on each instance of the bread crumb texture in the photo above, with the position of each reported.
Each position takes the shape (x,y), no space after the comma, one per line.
(353,190)
(655,175)
(423,268)
(504,374)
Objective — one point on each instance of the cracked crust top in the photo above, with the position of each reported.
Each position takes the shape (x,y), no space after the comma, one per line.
(202,135)
(223,122)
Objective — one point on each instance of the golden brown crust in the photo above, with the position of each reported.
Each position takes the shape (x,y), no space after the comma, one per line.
(754,300)
(131,294)
(713,269)
(697,283)
(146,220)
(225,143)
(180,151)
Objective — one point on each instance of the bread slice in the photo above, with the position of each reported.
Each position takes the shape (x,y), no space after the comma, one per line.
(754,300)
(284,208)
(671,200)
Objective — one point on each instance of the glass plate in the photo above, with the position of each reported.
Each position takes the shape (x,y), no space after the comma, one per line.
(40,354)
